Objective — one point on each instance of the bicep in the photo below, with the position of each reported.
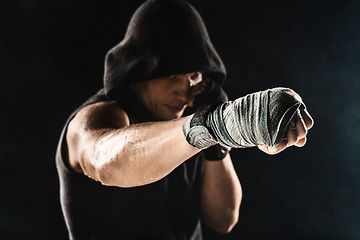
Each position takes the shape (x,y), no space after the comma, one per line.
(87,126)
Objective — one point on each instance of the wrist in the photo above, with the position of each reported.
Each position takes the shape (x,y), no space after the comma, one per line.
(197,136)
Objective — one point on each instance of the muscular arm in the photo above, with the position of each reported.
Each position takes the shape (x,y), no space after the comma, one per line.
(221,195)
(103,146)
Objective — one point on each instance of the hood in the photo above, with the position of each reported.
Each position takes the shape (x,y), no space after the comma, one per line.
(164,37)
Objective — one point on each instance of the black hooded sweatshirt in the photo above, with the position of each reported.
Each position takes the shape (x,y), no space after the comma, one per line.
(164,37)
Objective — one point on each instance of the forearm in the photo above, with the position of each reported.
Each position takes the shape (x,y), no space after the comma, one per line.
(221,195)
(138,154)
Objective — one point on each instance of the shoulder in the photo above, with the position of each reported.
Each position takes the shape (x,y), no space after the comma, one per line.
(100,115)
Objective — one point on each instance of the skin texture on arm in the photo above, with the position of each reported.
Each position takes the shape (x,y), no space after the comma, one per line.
(221,195)
(103,146)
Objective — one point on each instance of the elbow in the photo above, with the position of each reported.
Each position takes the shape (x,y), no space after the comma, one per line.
(225,225)
(118,174)
(104,173)
(228,228)
(97,174)
(113,176)
(109,165)
(105,177)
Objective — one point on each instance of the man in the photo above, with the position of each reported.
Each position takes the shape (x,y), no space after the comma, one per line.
(134,161)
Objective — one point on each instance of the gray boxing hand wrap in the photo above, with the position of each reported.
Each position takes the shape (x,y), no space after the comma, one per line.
(195,130)
(261,118)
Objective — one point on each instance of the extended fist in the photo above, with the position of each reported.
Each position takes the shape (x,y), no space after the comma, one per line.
(296,135)
(272,120)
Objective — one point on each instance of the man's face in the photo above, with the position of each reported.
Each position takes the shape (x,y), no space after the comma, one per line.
(168,97)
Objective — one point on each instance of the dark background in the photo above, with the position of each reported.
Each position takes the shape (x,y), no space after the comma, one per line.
(51,59)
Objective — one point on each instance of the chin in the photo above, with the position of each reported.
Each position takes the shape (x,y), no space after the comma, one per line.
(174,117)
(179,115)
(170,115)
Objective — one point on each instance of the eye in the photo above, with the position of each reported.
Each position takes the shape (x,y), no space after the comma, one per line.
(194,76)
